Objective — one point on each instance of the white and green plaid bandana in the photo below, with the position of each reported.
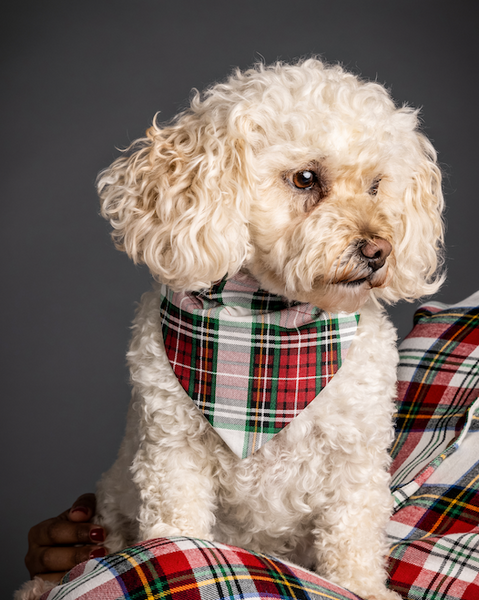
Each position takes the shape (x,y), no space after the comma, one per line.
(251,361)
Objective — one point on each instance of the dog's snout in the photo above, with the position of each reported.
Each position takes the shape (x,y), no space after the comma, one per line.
(376,251)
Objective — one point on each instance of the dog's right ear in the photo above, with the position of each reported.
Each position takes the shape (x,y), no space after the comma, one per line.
(178,201)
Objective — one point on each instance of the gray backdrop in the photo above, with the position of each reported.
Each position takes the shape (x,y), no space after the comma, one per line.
(81,77)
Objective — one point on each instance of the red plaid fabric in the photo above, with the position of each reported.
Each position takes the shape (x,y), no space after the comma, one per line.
(189,569)
(250,360)
(434,531)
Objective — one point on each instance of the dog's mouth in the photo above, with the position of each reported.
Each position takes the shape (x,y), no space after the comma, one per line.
(354,275)
(363,264)
(355,282)
(370,280)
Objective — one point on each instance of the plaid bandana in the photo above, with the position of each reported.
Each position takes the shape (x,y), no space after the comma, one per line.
(251,361)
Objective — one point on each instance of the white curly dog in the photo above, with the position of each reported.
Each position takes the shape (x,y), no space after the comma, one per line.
(315,184)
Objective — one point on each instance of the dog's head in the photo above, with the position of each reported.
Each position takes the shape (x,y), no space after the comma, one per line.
(303,174)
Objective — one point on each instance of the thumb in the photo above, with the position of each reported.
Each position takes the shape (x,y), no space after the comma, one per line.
(83,508)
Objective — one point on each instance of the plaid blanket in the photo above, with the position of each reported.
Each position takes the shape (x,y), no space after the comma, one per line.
(433,533)
(250,360)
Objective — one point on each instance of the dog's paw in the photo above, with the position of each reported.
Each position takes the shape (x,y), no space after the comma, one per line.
(372,590)
(161,530)
(166,530)
(384,595)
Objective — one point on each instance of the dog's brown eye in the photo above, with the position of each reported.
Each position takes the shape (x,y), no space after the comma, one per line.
(304,179)
(373,190)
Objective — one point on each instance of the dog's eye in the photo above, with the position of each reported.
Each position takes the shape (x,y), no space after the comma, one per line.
(311,185)
(373,190)
(304,180)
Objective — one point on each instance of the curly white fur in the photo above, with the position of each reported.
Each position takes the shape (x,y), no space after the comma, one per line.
(216,191)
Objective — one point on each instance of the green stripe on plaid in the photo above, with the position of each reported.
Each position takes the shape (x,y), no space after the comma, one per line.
(434,531)
(438,380)
(251,361)
(439,568)
(190,569)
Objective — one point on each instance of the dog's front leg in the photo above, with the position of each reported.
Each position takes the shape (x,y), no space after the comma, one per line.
(176,489)
(350,541)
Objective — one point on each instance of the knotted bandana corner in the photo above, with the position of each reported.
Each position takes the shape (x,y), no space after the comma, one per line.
(251,361)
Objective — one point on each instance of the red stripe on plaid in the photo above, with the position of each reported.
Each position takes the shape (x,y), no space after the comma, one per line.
(436,385)
(434,532)
(417,575)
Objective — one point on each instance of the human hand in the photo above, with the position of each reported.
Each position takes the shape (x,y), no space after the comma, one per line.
(56,545)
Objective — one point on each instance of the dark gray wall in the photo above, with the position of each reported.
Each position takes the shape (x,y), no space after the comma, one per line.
(79,78)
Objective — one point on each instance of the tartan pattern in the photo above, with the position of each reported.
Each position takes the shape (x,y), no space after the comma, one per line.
(434,530)
(190,569)
(250,360)
(438,380)
(433,533)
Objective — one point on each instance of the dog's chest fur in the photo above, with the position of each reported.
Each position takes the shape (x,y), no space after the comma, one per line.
(270,500)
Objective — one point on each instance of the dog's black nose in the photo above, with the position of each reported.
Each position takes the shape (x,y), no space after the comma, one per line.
(376,251)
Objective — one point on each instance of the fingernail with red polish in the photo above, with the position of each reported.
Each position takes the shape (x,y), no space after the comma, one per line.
(98,553)
(97,535)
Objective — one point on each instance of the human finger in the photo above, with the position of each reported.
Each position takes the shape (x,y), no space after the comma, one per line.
(56,559)
(58,531)
(53,577)
(83,509)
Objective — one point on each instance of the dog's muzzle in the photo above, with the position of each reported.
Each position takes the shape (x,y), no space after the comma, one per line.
(361,263)
(375,252)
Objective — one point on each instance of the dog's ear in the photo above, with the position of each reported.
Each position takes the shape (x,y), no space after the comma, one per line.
(419,253)
(178,201)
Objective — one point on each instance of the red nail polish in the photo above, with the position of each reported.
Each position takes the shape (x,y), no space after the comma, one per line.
(97,535)
(98,553)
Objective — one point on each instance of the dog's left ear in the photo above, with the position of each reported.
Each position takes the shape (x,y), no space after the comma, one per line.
(178,200)
(419,252)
